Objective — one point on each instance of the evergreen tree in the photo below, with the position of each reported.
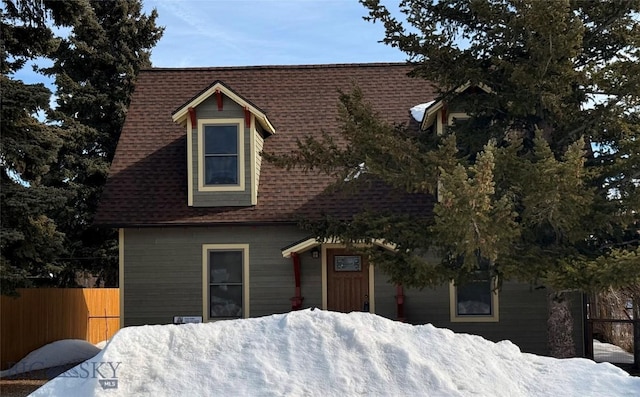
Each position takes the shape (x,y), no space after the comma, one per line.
(53,170)
(541,181)
(94,70)
(29,239)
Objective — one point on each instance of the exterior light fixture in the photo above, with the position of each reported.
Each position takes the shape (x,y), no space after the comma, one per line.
(315,253)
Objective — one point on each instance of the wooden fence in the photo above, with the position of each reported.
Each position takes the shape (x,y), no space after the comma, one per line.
(43,315)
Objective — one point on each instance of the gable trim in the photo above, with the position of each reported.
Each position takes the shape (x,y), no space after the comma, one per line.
(217,87)
(308,243)
(430,113)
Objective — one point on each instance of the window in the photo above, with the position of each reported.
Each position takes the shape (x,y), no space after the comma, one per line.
(221,155)
(351,263)
(476,300)
(456,118)
(225,281)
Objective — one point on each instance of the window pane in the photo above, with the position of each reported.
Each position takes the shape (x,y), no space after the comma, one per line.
(221,139)
(474,298)
(347,263)
(225,301)
(225,267)
(221,170)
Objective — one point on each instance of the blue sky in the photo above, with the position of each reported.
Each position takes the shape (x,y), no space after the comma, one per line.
(259,32)
(266,32)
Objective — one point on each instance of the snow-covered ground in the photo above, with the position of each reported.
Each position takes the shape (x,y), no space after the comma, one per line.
(68,351)
(319,353)
(606,352)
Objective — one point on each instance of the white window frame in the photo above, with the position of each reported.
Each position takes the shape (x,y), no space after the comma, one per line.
(474,318)
(202,187)
(206,248)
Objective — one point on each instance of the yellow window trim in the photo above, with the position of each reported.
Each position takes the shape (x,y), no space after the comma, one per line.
(456,115)
(470,318)
(205,276)
(241,153)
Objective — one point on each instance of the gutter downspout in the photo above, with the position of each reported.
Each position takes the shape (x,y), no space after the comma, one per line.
(400,303)
(296,301)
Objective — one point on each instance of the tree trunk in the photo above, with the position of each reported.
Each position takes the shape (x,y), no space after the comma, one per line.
(560,327)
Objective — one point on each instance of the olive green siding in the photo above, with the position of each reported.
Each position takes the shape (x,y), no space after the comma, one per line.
(163,271)
(523,313)
(384,295)
(208,109)
(311,280)
(163,278)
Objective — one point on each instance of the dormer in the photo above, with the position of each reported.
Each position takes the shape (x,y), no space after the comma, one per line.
(438,116)
(225,134)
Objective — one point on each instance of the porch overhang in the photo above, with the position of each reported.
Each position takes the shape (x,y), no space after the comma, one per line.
(300,246)
(310,242)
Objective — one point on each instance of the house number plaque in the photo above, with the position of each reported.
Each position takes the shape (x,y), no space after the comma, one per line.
(344,263)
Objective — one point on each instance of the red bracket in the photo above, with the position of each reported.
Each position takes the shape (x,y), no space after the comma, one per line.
(219,98)
(192,115)
(296,301)
(247,118)
(444,114)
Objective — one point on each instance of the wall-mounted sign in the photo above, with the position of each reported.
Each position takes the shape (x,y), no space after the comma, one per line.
(347,263)
(187,319)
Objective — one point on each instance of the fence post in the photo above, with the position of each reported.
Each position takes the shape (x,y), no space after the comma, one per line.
(589,340)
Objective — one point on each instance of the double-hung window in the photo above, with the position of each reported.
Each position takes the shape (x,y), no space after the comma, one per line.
(221,156)
(226,281)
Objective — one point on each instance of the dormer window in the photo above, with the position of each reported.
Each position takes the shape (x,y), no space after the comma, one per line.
(221,155)
(221,163)
(225,136)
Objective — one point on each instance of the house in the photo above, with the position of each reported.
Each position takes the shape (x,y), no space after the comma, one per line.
(207,229)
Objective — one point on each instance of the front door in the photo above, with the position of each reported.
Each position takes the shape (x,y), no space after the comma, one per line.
(347,281)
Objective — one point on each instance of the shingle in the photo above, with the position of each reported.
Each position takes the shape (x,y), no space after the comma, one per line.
(147,182)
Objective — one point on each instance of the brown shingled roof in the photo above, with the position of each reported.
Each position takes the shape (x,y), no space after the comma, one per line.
(147,183)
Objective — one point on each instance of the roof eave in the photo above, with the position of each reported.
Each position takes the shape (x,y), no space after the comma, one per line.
(430,114)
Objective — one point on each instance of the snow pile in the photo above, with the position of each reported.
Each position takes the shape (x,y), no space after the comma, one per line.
(418,111)
(317,353)
(67,351)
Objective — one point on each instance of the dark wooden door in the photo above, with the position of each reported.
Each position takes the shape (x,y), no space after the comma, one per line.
(347,281)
